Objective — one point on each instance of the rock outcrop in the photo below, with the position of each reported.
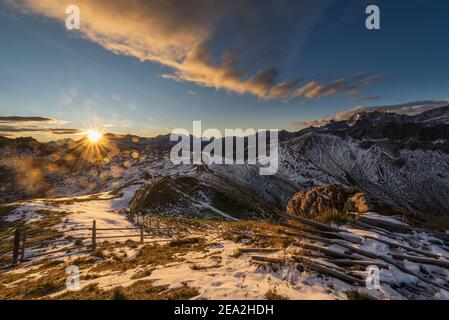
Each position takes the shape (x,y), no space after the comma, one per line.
(312,203)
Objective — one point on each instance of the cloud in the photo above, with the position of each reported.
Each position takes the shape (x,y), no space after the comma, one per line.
(339,85)
(19,119)
(35,129)
(15,125)
(180,35)
(410,108)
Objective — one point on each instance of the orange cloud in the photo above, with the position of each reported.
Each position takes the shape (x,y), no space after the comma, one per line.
(176,34)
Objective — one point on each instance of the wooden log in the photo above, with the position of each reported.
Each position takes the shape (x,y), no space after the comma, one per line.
(94,235)
(435,262)
(314,224)
(393,227)
(307,236)
(267,259)
(362,263)
(328,271)
(326,251)
(248,250)
(22,255)
(405,247)
(141,234)
(353,239)
(16,246)
(363,226)
(392,262)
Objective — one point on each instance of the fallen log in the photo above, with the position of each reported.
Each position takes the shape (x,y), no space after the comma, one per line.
(367,227)
(307,236)
(314,224)
(392,262)
(248,250)
(435,262)
(268,259)
(329,252)
(405,247)
(390,226)
(328,271)
(362,263)
(353,239)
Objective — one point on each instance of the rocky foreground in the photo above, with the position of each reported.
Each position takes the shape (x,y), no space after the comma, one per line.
(290,258)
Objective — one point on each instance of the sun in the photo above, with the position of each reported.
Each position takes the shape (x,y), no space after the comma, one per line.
(93,135)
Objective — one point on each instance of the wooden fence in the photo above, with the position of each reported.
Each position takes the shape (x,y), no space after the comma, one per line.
(146,227)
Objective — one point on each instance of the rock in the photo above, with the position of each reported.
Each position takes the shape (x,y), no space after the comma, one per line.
(310,204)
(358,203)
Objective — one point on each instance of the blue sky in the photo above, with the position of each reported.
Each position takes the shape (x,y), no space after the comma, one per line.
(164,74)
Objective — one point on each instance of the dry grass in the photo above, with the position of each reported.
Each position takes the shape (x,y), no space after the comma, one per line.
(273,294)
(333,217)
(140,290)
(356,295)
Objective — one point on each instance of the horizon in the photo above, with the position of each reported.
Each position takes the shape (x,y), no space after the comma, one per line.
(316,60)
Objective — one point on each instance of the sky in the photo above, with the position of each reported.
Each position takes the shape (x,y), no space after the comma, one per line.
(147,67)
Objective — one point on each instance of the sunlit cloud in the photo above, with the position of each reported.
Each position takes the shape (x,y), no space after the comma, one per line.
(179,34)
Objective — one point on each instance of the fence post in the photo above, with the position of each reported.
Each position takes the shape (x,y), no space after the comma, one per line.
(22,256)
(141,233)
(158,228)
(16,245)
(94,235)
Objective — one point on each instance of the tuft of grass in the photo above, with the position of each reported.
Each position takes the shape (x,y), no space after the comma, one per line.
(428,221)
(184,293)
(142,274)
(333,217)
(99,254)
(236,254)
(118,294)
(273,294)
(6,210)
(140,290)
(356,295)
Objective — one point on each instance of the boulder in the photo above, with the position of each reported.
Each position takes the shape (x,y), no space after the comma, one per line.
(311,203)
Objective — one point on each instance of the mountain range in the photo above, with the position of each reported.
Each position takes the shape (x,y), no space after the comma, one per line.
(399,161)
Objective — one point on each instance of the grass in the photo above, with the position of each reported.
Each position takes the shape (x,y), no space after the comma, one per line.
(142,274)
(38,231)
(153,255)
(356,295)
(118,294)
(6,210)
(52,281)
(333,216)
(273,294)
(140,290)
(428,221)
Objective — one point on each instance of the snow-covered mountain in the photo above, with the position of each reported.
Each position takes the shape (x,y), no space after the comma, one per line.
(398,160)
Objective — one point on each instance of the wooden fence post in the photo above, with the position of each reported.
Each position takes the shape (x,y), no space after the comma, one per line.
(94,235)
(141,233)
(22,255)
(16,245)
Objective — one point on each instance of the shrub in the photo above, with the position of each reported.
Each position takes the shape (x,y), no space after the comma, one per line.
(118,294)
